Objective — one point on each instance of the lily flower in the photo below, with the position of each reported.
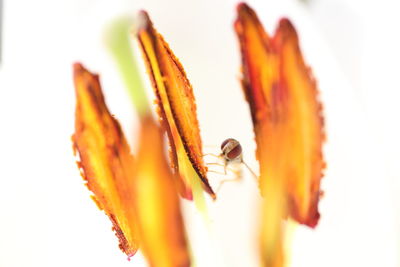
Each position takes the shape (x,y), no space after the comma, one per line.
(176,108)
(140,195)
(156,201)
(286,113)
(104,158)
(288,127)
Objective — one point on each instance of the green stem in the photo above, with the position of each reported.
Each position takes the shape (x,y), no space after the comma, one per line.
(118,40)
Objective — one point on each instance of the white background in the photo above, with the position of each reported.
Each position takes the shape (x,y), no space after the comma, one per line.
(46,215)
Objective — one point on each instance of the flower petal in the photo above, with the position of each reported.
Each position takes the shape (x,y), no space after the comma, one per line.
(177,108)
(105,160)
